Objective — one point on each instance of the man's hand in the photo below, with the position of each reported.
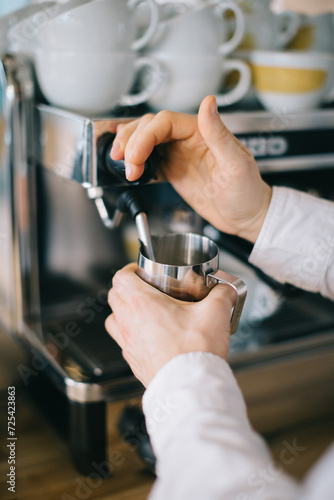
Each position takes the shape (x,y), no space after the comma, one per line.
(152,327)
(210,169)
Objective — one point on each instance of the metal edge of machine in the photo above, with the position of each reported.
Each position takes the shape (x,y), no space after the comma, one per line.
(17,87)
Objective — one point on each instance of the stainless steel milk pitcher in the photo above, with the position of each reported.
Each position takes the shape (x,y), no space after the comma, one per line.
(187,267)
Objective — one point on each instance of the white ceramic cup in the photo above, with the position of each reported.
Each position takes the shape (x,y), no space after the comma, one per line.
(25,23)
(314,33)
(183,81)
(166,11)
(101,25)
(91,84)
(199,30)
(291,81)
(266,30)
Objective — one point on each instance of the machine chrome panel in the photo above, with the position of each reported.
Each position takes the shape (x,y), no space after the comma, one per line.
(19,286)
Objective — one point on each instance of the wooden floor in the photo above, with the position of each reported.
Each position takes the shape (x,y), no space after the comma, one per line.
(45,471)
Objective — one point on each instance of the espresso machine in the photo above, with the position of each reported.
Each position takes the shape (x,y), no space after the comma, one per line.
(61,244)
(59,255)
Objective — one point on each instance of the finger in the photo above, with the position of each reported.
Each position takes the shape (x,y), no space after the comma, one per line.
(166,126)
(232,158)
(123,277)
(123,146)
(113,329)
(217,307)
(137,293)
(126,282)
(123,132)
(119,126)
(135,170)
(115,300)
(213,130)
(220,296)
(217,136)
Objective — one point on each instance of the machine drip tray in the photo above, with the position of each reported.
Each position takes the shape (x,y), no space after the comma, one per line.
(84,349)
(300,316)
(303,321)
(87,353)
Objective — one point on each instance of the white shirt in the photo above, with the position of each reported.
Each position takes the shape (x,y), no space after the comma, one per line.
(195,413)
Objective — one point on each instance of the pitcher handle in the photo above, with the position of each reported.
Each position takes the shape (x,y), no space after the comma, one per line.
(240,288)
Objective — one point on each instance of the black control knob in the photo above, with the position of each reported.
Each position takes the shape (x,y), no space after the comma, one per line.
(116,169)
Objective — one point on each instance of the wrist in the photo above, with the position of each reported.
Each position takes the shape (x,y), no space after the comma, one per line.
(251,229)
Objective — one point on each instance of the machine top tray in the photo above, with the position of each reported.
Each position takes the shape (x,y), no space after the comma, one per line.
(238,121)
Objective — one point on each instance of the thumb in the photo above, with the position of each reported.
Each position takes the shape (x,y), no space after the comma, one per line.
(217,136)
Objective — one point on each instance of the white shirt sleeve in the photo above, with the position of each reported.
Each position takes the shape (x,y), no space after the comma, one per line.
(194,409)
(201,436)
(296,242)
(204,444)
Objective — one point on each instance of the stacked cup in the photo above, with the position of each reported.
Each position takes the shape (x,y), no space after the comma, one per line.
(191,48)
(316,34)
(265,29)
(290,56)
(86,58)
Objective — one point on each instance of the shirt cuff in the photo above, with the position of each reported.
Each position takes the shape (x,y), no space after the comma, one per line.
(296,239)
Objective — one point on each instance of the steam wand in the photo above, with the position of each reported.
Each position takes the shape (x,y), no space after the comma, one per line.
(128,202)
(132,202)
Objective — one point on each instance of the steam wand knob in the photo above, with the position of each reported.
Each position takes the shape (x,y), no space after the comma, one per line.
(117,168)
